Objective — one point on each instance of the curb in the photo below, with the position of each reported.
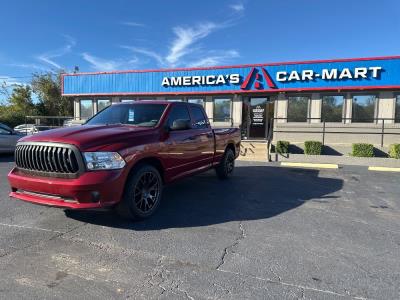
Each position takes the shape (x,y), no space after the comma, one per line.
(310,165)
(383,169)
(333,166)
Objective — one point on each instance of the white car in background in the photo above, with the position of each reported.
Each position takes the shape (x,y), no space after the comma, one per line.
(27,129)
(8,139)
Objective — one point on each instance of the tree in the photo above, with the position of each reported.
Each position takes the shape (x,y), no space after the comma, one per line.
(48,88)
(18,105)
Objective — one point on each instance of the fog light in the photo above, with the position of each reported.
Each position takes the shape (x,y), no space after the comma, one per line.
(95,196)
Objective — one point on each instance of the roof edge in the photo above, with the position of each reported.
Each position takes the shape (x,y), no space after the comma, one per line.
(236,66)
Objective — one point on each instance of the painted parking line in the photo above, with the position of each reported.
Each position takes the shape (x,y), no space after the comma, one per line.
(309,165)
(384,169)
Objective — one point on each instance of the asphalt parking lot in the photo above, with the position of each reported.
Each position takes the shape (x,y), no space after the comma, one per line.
(269,232)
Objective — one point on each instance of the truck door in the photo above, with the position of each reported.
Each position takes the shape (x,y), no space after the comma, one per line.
(180,148)
(203,135)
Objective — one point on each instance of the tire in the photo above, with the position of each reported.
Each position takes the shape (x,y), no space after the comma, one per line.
(142,195)
(227,165)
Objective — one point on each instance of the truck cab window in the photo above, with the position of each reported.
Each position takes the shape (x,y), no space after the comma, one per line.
(178,112)
(199,120)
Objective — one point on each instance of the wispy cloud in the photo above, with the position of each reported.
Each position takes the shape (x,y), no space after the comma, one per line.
(101,64)
(10,81)
(212,60)
(184,49)
(132,24)
(186,37)
(48,57)
(28,66)
(152,54)
(238,7)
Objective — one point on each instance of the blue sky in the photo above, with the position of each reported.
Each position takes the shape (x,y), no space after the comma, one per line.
(117,35)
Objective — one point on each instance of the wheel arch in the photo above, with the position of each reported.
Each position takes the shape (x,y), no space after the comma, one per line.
(231,145)
(152,161)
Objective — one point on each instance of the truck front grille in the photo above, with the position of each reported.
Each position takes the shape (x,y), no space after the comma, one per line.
(52,159)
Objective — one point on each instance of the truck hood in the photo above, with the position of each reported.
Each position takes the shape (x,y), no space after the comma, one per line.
(91,137)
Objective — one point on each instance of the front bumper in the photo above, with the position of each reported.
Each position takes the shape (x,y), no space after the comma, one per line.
(95,189)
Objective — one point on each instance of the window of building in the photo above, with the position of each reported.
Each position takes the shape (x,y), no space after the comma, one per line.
(363,108)
(222,110)
(196,101)
(397,110)
(297,108)
(178,112)
(127,100)
(332,108)
(102,104)
(199,120)
(174,100)
(86,108)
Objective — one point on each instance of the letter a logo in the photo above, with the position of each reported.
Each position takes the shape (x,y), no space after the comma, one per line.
(257,80)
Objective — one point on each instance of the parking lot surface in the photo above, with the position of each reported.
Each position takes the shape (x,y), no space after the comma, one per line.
(268,232)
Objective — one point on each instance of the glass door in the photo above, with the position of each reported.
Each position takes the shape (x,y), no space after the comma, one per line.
(257,118)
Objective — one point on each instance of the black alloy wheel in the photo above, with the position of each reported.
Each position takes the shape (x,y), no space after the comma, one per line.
(227,165)
(147,191)
(142,195)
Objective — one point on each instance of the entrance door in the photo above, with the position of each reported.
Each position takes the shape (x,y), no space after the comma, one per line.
(258,118)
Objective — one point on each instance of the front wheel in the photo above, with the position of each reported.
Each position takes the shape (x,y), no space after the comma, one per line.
(226,166)
(142,194)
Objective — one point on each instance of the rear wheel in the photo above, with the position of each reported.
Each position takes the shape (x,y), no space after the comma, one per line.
(227,164)
(142,194)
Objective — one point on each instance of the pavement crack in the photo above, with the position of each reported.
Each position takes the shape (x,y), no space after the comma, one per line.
(299,286)
(58,234)
(187,295)
(229,248)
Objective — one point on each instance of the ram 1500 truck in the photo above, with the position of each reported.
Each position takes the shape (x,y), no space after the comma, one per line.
(122,157)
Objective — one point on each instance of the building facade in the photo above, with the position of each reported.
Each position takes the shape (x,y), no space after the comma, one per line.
(337,101)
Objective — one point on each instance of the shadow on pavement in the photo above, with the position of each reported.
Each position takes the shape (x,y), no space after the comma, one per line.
(253,193)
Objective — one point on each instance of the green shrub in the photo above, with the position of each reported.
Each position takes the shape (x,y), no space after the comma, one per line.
(394,151)
(312,148)
(362,150)
(282,147)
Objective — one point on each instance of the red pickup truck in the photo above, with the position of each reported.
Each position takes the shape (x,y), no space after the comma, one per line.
(122,157)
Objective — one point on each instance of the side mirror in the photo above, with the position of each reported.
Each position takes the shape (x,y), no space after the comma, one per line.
(180,124)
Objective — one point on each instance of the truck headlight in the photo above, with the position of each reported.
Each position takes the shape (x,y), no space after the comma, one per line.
(103,161)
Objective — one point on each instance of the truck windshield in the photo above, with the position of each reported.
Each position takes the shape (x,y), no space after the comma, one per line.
(146,115)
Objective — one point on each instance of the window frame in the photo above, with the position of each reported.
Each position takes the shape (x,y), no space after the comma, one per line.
(344,106)
(193,120)
(376,107)
(396,103)
(175,99)
(196,98)
(102,99)
(184,105)
(230,109)
(80,108)
(308,107)
(126,100)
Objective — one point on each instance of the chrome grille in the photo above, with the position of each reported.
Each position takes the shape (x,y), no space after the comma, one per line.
(58,159)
